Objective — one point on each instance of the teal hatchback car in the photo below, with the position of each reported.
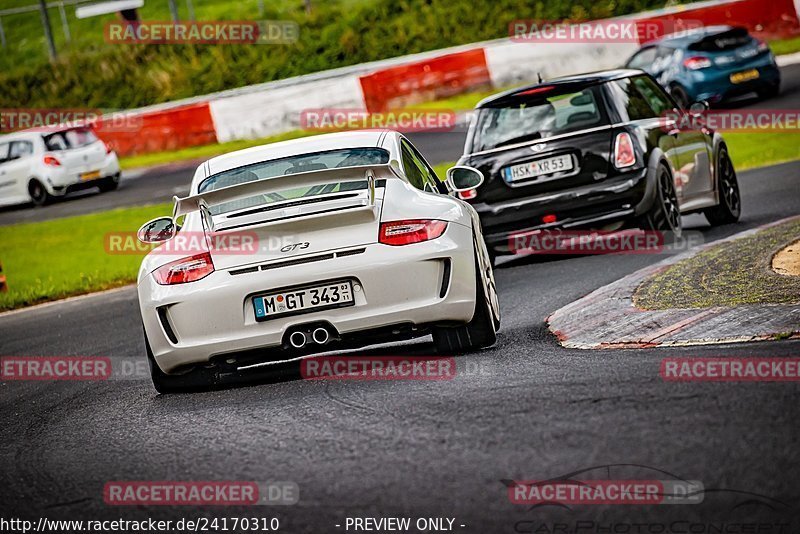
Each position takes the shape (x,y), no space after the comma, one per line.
(714,64)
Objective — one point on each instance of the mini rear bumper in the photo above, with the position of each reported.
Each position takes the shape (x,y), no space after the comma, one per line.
(421,284)
(595,205)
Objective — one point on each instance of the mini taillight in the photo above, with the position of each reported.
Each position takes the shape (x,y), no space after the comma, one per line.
(413,231)
(185,270)
(696,63)
(469,194)
(51,161)
(550,218)
(624,154)
(109,150)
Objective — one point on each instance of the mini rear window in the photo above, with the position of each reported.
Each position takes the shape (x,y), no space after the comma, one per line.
(538,115)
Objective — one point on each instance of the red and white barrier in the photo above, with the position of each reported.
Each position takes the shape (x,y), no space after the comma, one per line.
(276,107)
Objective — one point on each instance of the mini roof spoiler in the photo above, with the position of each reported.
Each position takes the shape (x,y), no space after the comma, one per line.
(370,173)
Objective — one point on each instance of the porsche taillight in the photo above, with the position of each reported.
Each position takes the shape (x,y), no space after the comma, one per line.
(185,270)
(624,154)
(397,233)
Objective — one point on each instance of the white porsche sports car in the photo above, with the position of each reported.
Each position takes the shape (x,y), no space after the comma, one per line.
(328,242)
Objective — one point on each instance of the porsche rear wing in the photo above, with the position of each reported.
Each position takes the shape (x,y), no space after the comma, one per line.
(201,201)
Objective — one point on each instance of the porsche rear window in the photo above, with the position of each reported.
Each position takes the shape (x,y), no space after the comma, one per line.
(317,161)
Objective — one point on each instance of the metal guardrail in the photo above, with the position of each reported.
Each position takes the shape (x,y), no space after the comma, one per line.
(33,8)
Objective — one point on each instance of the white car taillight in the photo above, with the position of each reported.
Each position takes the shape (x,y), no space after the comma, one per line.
(397,233)
(185,270)
(696,62)
(51,161)
(624,153)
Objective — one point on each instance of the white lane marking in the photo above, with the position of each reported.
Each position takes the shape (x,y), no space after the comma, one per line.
(788,59)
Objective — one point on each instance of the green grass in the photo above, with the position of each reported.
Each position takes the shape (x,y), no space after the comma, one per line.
(55,259)
(785,46)
(750,150)
(51,260)
(732,273)
(205,151)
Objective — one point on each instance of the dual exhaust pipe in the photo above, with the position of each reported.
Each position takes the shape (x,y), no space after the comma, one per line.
(298,339)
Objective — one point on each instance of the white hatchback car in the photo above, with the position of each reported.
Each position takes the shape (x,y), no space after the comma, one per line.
(38,165)
(354,240)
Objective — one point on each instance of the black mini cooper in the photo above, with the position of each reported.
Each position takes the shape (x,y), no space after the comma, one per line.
(599,151)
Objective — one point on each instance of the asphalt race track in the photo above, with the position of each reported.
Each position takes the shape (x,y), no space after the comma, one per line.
(160,185)
(527,409)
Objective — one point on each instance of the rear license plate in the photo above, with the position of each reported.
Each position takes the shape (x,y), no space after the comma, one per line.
(540,167)
(304,300)
(91,175)
(745,76)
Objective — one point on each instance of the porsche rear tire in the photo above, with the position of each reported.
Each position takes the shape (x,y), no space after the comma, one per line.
(194,380)
(479,333)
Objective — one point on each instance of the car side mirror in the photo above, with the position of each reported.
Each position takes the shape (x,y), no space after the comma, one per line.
(157,231)
(698,108)
(463,178)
